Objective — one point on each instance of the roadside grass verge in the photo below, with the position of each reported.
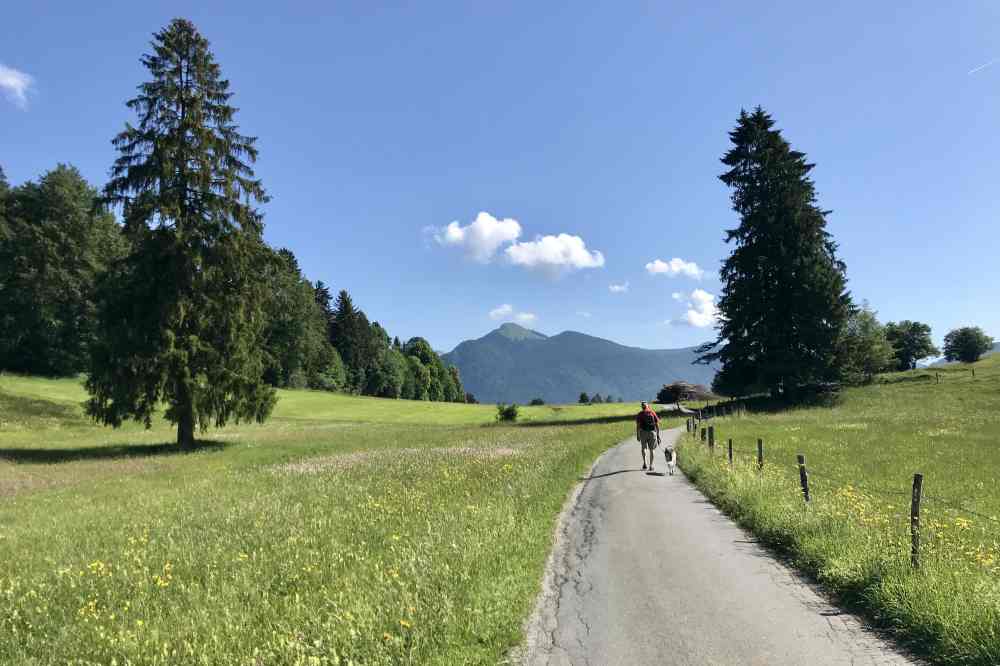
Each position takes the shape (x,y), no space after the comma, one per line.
(322,537)
(854,536)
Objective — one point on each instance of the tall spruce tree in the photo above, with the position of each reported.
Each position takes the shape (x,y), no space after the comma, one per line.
(784,302)
(181,318)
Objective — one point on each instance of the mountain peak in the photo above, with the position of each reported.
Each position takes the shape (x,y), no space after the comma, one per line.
(513,363)
(517,333)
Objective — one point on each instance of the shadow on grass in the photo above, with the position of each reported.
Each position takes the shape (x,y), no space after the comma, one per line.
(767,405)
(24,408)
(596,420)
(905,379)
(37,456)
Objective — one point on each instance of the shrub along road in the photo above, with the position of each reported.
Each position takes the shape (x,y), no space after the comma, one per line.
(646,571)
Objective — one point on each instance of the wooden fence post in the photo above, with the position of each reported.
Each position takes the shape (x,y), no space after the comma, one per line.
(730,452)
(760,454)
(711,438)
(704,434)
(803,476)
(918,484)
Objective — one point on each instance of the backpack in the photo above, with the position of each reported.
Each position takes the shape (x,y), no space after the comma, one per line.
(647,420)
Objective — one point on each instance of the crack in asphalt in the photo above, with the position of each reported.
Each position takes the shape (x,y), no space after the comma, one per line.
(628,549)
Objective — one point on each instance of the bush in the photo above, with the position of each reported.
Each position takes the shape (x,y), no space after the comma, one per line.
(506,413)
(966,344)
(536,402)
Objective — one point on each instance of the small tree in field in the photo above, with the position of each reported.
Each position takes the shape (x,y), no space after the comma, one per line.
(536,402)
(181,319)
(584,399)
(966,344)
(865,351)
(675,392)
(911,341)
(507,413)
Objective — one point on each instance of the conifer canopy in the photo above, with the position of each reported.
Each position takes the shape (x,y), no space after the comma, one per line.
(784,302)
(181,317)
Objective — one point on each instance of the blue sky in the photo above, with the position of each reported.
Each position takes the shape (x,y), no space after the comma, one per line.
(588,133)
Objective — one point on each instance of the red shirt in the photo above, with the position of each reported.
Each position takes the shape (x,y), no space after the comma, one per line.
(638,417)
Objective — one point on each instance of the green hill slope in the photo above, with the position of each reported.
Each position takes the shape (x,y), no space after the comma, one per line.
(513,363)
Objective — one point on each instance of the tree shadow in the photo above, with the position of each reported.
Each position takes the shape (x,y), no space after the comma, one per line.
(37,456)
(595,420)
(905,379)
(36,408)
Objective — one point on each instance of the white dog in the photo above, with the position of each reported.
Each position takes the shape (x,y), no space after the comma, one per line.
(671,457)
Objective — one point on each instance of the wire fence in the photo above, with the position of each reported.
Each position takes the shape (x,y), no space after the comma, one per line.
(916,495)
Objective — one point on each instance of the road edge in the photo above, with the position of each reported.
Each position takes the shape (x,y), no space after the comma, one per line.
(539,626)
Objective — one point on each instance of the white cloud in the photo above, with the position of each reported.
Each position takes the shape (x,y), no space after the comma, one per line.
(506,312)
(674,267)
(554,253)
(677,296)
(15,85)
(584,314)
(482,238)
(502,311)
(618,288)
(702,311)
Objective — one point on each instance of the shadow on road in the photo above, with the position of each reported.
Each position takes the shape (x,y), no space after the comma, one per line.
(601,476)
(36,456)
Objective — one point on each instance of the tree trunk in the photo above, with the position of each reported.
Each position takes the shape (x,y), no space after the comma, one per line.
(185,430)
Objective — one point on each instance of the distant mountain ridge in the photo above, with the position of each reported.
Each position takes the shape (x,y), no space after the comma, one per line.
(516,364)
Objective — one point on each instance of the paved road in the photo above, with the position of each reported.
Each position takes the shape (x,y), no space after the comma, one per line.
(647,571)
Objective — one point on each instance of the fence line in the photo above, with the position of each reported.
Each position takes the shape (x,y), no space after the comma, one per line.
(916,494)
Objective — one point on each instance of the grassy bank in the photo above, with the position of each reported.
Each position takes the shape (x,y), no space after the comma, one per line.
(346,530)
(854,535)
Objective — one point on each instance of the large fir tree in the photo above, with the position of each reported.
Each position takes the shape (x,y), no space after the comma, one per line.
(784,303)
(181,319)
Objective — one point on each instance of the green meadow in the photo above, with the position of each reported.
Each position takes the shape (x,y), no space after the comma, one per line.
(854,536)
(345,530)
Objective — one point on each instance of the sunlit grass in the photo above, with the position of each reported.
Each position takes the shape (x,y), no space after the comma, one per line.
(854,536)
(346,530)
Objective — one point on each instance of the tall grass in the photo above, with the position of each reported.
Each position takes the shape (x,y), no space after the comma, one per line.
(346,530)
(854,535)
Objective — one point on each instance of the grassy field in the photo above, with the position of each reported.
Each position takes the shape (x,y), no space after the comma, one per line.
(343,531)
(854,536)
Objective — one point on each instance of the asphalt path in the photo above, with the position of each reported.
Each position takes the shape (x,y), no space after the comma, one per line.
(646,571)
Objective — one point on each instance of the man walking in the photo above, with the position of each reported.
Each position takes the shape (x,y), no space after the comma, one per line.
(647,431)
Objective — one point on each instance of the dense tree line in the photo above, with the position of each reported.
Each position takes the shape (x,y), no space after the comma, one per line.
(55,242)
(182,304)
